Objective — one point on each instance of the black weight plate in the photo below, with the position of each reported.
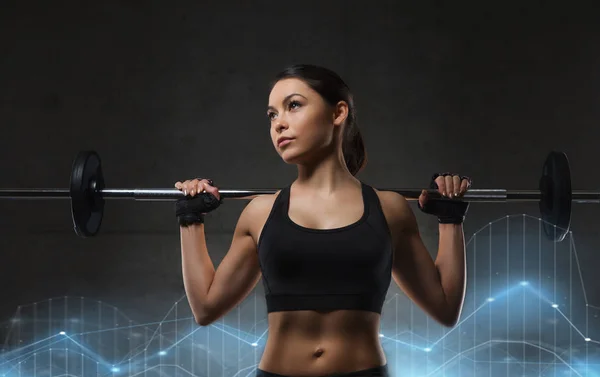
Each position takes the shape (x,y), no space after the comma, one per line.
(556,196)
(87,203)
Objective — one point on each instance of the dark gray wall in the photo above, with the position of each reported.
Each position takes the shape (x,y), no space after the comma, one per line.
(168,91)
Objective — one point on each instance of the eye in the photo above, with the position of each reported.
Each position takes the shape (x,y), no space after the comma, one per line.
(294,104)
(270,115)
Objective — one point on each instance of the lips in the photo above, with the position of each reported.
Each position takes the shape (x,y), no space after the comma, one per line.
(282,139)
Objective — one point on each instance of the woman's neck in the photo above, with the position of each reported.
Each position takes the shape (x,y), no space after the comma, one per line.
(329,175)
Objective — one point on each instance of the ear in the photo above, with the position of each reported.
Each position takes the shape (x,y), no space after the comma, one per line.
(341,113)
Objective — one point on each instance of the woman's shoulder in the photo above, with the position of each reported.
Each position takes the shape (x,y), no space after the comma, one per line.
(262,203)
(256,213)
(388,195)
(395,206)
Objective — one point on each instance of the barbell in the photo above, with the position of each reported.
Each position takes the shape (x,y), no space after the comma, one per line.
(87,193)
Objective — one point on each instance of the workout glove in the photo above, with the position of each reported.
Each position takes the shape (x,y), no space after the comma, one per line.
(192,210)
(448,211)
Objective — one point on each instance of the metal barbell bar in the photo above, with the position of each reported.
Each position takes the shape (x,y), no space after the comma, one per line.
(164,194)
(87,194)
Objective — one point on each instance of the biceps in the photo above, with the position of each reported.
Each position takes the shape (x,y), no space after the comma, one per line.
(416,274)
(236,276)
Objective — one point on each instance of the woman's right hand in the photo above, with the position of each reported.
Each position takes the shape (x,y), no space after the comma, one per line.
(195,186)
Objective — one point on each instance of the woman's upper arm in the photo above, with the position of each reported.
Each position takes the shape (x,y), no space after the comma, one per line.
(239,271)
(413,267)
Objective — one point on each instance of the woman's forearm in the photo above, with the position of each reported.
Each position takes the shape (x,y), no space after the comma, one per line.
(197,268)
(451,265)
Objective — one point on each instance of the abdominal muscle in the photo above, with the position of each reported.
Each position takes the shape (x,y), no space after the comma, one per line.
(310,343)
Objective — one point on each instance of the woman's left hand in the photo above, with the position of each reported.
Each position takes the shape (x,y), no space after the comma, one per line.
(448,185)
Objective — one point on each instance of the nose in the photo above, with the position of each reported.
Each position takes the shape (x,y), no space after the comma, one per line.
(281,126)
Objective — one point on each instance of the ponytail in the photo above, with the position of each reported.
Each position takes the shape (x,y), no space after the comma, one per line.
(353,148)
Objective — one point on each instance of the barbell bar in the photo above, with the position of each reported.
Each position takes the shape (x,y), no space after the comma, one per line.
(87,194)
(165,194)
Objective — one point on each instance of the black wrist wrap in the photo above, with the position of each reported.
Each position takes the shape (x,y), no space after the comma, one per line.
(191,210)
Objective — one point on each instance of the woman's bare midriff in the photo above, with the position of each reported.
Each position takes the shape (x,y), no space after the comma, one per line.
(309,343)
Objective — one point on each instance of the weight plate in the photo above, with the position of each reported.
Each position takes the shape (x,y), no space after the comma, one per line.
(87,203)
(556,195)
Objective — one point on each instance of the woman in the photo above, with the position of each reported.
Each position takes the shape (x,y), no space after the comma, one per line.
(326,246)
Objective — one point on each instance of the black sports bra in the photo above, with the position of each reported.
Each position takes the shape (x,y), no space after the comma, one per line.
(326,269)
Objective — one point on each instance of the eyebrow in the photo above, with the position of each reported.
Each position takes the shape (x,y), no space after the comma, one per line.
(286,99)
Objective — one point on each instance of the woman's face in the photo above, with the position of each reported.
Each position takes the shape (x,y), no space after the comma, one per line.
(299,113)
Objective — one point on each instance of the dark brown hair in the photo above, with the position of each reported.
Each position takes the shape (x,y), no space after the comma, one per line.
(333,89)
